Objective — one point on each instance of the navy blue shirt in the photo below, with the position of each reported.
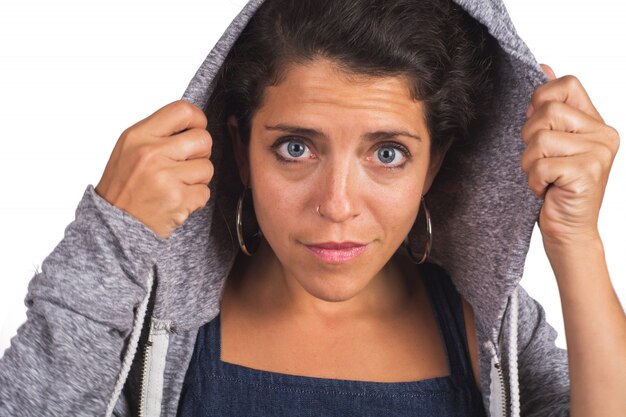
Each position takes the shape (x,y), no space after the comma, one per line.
(216,388)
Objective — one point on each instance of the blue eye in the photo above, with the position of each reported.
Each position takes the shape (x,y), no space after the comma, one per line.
(295,149)
(393,155)
(387,155)
(289,149)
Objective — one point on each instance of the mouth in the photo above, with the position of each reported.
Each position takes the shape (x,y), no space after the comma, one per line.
(337,252)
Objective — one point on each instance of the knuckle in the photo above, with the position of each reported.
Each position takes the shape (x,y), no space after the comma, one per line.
(179,217)
(132,135)
(207,138)
(201,114)
(210,169)
(183,108)
(177,197)
(524,133)
(578,188)
(614,139)
(126,133)
(145,152)
(205,195)
(202,140)
(542,138)
(189,110)
(571,81)
(539,166)
(607,154)
(523,164)
(552,108)
(161,180)
(532,184)
(124,143)
(199,195)
(596,168)
(537,93)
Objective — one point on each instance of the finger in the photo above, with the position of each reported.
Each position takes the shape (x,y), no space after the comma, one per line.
(547,143)
(198,195)
(175,117)
(194,171)
(567,89)
(548,71)
(556,115)
(191,144)
(560,171)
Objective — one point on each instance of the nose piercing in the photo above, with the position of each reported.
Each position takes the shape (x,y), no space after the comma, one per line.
(318,211)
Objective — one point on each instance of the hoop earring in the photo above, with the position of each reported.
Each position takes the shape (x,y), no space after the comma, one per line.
(407,246)
(242,240)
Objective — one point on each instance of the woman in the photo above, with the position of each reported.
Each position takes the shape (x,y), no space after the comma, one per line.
(329,132)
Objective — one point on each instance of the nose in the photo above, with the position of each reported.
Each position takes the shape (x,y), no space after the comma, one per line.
(339,188)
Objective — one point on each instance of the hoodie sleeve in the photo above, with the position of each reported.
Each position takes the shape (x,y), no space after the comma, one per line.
(66,357)
(542,366)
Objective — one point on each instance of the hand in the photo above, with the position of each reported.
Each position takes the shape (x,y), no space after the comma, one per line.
(569,153)
(159,169)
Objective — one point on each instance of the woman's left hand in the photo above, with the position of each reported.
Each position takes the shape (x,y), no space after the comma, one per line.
(569,153)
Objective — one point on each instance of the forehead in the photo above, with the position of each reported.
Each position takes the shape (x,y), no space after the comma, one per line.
(320,88)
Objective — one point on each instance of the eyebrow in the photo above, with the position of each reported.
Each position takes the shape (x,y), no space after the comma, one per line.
(371,136)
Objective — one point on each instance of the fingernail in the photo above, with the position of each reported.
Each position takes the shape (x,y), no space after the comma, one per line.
(530,111)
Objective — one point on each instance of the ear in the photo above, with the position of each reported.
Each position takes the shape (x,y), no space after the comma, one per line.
(435,164)
(240,150)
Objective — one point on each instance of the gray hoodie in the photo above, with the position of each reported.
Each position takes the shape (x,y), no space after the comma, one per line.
(113,314)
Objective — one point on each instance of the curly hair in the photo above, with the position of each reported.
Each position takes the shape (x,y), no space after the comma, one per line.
(448,57)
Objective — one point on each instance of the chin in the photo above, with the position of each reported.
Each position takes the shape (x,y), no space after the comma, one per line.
(327,289)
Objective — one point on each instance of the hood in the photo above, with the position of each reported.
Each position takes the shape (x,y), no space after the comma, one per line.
(482,210)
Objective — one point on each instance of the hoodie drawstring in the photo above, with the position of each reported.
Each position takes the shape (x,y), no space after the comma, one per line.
(132,346)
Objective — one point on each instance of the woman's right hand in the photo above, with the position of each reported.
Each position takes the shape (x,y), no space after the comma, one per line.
(159,170)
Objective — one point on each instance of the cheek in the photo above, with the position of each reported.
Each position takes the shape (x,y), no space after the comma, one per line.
(285,208)
(279,204)
(395,209)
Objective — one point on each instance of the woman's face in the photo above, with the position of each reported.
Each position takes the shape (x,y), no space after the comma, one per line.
(358,147)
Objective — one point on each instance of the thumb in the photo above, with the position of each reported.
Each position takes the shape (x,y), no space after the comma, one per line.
(548,71)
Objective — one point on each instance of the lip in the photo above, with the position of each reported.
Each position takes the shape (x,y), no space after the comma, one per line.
(337,252)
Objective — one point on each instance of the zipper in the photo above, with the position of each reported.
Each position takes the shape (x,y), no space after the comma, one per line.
(132,349)
(153,368)
(498,389)
(144,379)
(495,364)
(502,386)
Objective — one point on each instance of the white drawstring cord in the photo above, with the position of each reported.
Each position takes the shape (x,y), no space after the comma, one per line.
(132,346)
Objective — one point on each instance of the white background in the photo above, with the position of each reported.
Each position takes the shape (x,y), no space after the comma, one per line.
(75,74)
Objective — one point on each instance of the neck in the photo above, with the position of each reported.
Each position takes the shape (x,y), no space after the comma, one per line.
(268,288)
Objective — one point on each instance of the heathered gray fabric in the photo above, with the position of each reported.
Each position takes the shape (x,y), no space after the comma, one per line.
(82,306)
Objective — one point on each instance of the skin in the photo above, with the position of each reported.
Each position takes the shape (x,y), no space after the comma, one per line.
(335,311)
(568,157)
(360,199)
(307,317)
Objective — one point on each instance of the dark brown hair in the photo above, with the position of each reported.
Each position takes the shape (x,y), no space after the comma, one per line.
(448,56)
